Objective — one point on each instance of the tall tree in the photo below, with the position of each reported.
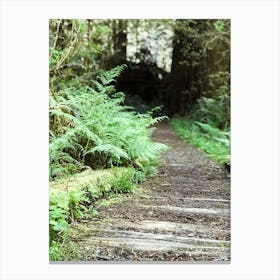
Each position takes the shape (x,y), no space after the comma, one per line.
(119,29)
(200,61)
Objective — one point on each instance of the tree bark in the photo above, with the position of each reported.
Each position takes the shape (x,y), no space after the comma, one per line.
(120,37)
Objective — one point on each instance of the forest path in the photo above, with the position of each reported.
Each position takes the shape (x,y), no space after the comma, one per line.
(185,217)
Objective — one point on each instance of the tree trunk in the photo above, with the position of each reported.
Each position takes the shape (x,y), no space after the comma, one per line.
(120,37)
(178,74)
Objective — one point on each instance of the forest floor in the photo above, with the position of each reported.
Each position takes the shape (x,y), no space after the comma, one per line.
(181,214)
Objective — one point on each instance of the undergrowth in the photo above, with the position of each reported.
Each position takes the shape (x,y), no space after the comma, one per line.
(75,198)
(92,131)
(91,127)
(211,140)
(64,250)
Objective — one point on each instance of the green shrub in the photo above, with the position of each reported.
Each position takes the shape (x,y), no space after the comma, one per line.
(124,182)
(64,250)
(214,111)
(75,198)
(91,127)
(214,107)
(211,140)
(58,213)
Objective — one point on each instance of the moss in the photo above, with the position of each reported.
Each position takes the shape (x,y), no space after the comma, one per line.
(78,196)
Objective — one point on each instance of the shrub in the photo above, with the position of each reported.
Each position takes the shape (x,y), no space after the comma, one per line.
(75,198)
(214,107)
(211,140)
(91,127)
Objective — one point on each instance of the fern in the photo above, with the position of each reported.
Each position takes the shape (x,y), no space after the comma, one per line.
(90,126)
(211,140)
(215,133)
(107,77)
(109,149)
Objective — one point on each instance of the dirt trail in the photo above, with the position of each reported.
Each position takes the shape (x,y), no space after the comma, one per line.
(185,218)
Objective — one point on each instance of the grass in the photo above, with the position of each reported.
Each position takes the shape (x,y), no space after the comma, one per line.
(214,142)
(65,250)
(78,197)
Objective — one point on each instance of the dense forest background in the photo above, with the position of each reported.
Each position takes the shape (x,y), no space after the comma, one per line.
(111,81)
(179,66)
(174,63)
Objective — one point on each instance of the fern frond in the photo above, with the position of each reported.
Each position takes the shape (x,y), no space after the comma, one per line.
(110,150)
(109,76)
(99,130)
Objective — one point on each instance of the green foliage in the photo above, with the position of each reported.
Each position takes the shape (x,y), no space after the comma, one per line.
(108,77)
(215,133)
(55,56)
(65,250)
(58,214)
(125,181)
(78,49)
(202,59)
(211,140)
(75,198)
(79,202)
(215,111)
(89,127)
(219,25)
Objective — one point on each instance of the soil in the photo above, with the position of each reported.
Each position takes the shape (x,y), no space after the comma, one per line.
(185,217)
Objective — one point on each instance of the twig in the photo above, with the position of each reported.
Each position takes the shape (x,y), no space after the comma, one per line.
(57,31)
